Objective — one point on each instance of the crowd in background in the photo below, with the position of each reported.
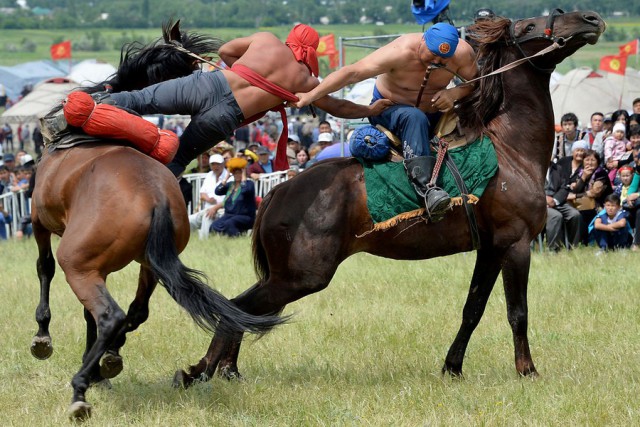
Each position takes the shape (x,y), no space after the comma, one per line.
(592,183)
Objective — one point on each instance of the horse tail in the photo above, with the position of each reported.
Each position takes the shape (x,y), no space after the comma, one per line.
(260,262)
(209,309)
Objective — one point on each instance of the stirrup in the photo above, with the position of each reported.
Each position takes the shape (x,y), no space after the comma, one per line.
(437,202)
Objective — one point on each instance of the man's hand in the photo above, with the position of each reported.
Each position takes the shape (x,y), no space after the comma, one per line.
(443,100)
(379,106)
(304,100)
(550,202)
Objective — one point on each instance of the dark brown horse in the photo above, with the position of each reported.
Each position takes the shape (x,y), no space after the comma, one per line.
(319,214)
(112,205)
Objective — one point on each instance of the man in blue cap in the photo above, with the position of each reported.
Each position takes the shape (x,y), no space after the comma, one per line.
(401,66)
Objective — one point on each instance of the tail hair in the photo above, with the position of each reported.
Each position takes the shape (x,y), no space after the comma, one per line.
(209,309)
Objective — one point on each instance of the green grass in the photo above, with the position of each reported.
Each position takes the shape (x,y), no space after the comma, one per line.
(366,351)
(42,39)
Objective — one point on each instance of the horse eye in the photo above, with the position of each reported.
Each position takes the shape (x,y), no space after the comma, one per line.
(530,28)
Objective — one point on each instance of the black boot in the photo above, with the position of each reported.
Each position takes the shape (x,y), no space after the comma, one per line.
(103,98)
(436,200)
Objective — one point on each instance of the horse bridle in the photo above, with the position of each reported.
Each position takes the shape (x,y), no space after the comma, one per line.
(547,34)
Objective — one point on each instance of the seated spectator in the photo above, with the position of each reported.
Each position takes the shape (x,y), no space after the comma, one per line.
(336,149)
(561,216)
(302,157)
(293,145)
(239,201)
(565,139)
(630,202)
(636,106)
(213,203)
(594,136)
(590,186)
(263,165)
(610,227)
(615,150)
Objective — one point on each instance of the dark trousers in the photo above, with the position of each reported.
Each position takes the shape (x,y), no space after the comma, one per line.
(232,225)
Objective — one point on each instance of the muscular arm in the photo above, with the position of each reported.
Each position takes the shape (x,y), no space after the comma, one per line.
(349,110)
(232,50)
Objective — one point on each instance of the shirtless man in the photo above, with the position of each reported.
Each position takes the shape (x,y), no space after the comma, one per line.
(219,102)
(400,67)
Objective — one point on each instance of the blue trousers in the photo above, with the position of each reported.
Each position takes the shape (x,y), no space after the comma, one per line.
(612,239)
(232,225)
(411,125)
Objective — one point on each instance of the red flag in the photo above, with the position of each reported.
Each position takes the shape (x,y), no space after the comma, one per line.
(614,64)
(334,60)
(630,48)
(61,50)
(327,46)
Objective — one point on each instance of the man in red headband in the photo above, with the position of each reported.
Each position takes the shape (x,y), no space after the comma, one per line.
(263,74)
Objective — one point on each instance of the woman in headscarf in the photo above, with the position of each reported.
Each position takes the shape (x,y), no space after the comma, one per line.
(239,201)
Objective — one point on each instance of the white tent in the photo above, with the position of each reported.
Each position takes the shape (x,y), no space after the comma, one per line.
(582,91)
(629,85)
(90,72)
(29,73)
(39,101)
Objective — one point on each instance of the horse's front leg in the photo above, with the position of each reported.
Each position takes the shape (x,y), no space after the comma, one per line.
(41,346)
(485,273)
(515,275)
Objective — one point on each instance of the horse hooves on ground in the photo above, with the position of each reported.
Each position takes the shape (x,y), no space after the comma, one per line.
(41,347)
(110,365)
(79,411)
(453,373)
(181,380)
(231,374)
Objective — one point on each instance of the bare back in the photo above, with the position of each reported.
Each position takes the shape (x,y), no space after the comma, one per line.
(265,54)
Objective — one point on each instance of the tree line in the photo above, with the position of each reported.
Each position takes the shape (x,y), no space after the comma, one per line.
(265,13)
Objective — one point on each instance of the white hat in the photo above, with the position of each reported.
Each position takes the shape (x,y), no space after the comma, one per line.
(619,126)
(325,137)
(294,137)
(26,159)
(216,158)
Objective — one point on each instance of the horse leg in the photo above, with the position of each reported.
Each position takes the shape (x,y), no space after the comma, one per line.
(111,363)
(485,273)
(109,320)
(515,275)
(41,347)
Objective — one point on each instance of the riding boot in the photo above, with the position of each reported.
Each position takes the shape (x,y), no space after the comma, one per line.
(103,98)
(436,200)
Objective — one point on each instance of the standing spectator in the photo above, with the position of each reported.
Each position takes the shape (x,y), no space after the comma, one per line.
(38,140)
(561,216)
(302,156)
(8,136)
(323,127)
(263,165)
(566,138)
(595,135)
(25,136)
(239,201)
(5,219)
(636,106)
(3,96)
(212,202)
(9,161)
(610,227)
(241,137)
(293,145)
(621,116)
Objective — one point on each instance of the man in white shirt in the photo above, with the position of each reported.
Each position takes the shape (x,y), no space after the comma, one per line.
(212,203)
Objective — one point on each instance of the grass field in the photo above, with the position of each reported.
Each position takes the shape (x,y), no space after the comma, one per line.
(366,351)
(12,41)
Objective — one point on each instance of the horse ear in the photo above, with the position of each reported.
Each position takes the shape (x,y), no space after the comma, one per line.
(172,32)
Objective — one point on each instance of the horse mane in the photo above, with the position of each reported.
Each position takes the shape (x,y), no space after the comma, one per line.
(143,65)
(483,104)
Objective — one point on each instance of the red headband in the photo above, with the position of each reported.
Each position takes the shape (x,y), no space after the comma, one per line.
(303,42)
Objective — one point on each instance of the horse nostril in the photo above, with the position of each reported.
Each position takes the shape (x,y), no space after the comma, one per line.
(592,18)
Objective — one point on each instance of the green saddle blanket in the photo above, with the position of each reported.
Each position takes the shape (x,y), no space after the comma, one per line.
(389,192)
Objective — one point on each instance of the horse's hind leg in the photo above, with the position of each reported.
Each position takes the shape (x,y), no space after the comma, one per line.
(515,275)
(41,346)
(485,273)
(111,363)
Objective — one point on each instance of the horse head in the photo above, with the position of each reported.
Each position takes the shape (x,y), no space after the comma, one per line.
(165,59)
(501,41)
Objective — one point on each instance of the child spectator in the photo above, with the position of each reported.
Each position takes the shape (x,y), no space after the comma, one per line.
(610,227)
(615,149)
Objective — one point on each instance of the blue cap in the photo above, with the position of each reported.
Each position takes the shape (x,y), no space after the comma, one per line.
(442,39)
(9,157)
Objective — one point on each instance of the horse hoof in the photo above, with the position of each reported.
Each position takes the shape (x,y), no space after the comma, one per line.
(231,374)
(110,365)
(182,380)
(79,411)
(41,347)
(453,373)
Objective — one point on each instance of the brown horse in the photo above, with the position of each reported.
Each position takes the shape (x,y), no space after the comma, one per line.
(322,214)
(112,205)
